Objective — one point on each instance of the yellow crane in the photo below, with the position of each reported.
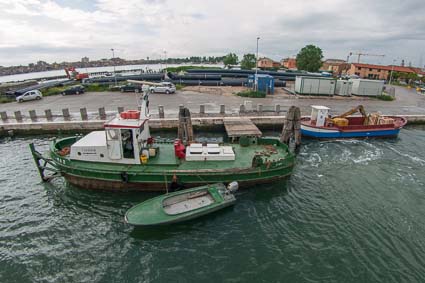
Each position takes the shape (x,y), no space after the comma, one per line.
(359,54)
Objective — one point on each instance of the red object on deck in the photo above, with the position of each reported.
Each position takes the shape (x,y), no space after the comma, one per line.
(130,114)
(179,149)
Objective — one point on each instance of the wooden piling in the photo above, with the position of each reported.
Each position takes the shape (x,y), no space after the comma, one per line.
(292,127)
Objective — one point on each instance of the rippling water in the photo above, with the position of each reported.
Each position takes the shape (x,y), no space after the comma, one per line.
(353,211)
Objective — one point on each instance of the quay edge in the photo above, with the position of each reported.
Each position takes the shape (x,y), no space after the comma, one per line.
(156,124)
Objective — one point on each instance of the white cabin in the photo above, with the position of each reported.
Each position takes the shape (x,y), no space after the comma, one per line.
(319,115)
(124,140)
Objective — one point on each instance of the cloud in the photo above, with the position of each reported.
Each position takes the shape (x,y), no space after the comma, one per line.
(33,30)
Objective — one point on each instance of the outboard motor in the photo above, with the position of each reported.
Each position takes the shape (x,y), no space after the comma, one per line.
(233,186)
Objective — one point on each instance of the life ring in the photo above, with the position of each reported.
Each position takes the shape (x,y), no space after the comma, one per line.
(64,151)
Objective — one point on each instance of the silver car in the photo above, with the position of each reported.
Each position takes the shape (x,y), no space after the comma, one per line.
(165,87)
(30,95)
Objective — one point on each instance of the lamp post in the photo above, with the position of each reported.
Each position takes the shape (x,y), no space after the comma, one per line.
(391,74)
(256,67)
(165,59)
(113,57)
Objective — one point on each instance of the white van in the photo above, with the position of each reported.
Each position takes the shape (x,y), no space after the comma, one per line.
(30,95)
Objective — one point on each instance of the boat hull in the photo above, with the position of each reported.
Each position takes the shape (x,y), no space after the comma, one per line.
(156,177)
(356,129)
(189,204)
(152,186)
(313,132)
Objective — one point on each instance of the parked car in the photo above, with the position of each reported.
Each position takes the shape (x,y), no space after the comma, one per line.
(78,89)
(30,95)
(165,87)
(131,88)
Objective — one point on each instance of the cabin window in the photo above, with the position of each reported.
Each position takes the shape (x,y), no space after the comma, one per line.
(127,143)
(112,134)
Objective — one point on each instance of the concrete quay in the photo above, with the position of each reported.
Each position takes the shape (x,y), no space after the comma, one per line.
(213,122)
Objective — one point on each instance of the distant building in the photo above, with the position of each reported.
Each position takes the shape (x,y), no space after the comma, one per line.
(336,66)
(377,72)
(289,63)
(85,60)
(267,63)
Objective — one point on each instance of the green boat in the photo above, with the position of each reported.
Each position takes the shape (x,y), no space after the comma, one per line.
(124,157)
(182,205)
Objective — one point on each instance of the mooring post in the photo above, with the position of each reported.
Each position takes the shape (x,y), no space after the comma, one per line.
(222,109)
(65,113)
(202,109)
(18,116)
(277,108)
(181,107)
(3,115)
(49,116)
(120,109)
(292,127)
(260,108)
(33,115)
(242,109)
(102,113)
(161,111)
(83,112)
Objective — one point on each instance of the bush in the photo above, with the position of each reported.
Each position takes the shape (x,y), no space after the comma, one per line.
(4,99)
(179,86)
(252,93)
(385,97)
(97,87)
(53,91)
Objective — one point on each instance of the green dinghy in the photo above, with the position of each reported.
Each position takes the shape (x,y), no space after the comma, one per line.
(182,205)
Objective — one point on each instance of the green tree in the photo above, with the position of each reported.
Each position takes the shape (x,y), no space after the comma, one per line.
(310,58)
(230,59)
(248,61)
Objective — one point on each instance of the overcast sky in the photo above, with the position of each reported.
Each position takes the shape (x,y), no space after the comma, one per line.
(67,30)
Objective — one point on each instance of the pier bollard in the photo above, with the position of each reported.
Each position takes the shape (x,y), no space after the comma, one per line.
(260,108)
(242,109)
(277,108)
(33,115)
(181,106)
(66,115)
(3,115)
(222,109)
(102,113)
(83,112)
(202,109)
(161,111)
(18,116)
(49,116)
(120,109)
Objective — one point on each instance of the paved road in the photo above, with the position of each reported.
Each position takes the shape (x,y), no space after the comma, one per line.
(407,102)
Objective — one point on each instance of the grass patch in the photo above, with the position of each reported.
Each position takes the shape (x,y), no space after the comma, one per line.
(252,93)
(97,88)
(4,99)
(385,97)
(185,68)
(53,91)
(179,86)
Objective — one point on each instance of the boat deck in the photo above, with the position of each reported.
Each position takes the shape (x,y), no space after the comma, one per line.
(166,160)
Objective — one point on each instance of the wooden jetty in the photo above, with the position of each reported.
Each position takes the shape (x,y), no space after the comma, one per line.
(237,127)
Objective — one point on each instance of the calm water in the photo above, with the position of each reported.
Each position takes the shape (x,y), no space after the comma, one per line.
(353,211)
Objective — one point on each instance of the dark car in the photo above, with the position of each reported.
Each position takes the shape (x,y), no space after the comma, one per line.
(78,89)
(131,87)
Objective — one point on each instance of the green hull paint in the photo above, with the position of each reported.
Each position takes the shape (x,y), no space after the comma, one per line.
(158,172)
(151,212)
